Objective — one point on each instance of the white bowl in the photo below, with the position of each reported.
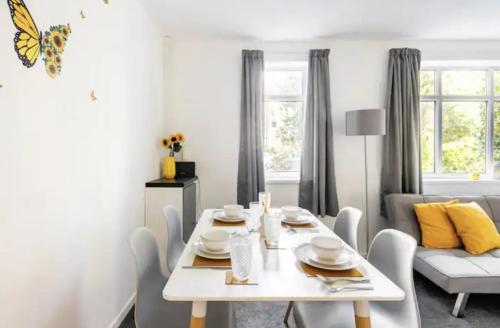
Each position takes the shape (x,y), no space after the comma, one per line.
(291,212)
(215,240)
(232,210)
(327,248)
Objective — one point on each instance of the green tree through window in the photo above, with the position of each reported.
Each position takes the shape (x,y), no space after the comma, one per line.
(454,109)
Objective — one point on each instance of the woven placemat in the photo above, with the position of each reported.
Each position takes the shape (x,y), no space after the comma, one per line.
(217,223)
(204,262)
(311,271)
(298,226)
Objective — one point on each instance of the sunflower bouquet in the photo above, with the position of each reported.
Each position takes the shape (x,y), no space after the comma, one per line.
(173,143)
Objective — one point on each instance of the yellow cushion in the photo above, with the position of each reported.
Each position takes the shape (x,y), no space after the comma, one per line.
(437,229)
(474,226)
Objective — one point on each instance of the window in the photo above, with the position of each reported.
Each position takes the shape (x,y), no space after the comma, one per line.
(283,115)
(460,120)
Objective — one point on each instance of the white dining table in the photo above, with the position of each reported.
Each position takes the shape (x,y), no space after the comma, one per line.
(279,277)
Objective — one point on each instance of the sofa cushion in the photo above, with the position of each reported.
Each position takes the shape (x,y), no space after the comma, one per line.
(458,271)
(435,225)
(402,217)
(476,229)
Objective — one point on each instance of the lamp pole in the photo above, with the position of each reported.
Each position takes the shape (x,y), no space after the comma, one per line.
(366,122)
(367,217)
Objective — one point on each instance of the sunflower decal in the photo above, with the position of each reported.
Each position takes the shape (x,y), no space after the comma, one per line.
(30,43)
(53,44)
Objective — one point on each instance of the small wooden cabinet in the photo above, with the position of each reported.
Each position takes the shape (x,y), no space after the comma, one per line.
(181,193)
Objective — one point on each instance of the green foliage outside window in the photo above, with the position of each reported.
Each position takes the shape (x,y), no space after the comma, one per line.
(463,127)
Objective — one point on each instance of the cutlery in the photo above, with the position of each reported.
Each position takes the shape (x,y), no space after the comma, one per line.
(207,267)
(349,289)
(298,230)
(340,285)
(335,280)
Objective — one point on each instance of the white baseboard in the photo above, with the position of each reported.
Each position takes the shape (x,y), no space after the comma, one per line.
(123,312)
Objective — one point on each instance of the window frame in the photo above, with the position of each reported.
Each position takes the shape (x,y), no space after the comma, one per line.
(438,98)
(288,66)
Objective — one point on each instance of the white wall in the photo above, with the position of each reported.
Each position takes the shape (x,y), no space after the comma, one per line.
(204,102)
(72,171)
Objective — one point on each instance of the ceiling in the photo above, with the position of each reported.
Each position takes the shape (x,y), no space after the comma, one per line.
(281,20)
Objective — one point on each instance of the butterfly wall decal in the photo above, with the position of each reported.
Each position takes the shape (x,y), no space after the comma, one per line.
(30,43)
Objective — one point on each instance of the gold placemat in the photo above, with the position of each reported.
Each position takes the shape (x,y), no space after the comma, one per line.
(311,271)
(204,262)
(217,223)
(298,226)
(231,280)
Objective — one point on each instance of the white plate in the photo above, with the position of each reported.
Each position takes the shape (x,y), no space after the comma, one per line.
(220,216)
(304,251)
(303,219)
(206,250)
(198,250)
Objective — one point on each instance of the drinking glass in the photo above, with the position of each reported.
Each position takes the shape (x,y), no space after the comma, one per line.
(241,255)
(272,227)
(256,211)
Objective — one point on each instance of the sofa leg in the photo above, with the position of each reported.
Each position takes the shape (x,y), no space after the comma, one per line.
(461,302)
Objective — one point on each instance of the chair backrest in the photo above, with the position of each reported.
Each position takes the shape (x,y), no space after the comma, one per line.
(392,252)
(175,244)
(346,225)
(150,280)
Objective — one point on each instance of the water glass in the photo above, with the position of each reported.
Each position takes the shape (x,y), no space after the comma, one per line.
(272,227)
(256,211)
(241,255)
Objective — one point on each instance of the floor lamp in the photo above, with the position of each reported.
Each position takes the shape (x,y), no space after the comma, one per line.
(366,122)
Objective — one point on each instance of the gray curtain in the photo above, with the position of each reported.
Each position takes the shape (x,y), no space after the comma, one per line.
(318,191)
(402,172)
(251,163)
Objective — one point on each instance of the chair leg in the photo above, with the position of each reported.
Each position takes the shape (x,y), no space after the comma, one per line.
(461,302)
(287,314)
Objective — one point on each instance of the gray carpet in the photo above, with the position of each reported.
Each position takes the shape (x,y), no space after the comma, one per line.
(483,311)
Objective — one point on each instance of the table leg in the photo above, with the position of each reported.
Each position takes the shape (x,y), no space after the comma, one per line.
(362,314)
(198,314)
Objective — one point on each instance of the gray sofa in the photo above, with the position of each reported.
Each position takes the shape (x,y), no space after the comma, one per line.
(454,270)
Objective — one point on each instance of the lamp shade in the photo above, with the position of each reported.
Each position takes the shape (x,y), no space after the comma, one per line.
(365,122)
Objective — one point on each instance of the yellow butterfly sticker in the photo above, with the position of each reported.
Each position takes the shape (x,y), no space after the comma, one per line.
(30,43)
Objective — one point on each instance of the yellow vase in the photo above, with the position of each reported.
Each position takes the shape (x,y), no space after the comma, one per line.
(169,168)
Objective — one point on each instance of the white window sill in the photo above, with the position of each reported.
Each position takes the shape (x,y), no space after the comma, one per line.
(460,181)
(282,181)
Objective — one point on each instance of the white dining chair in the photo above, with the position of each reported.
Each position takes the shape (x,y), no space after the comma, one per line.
(392,253)
(346,225)
(175,244)
(151,310)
